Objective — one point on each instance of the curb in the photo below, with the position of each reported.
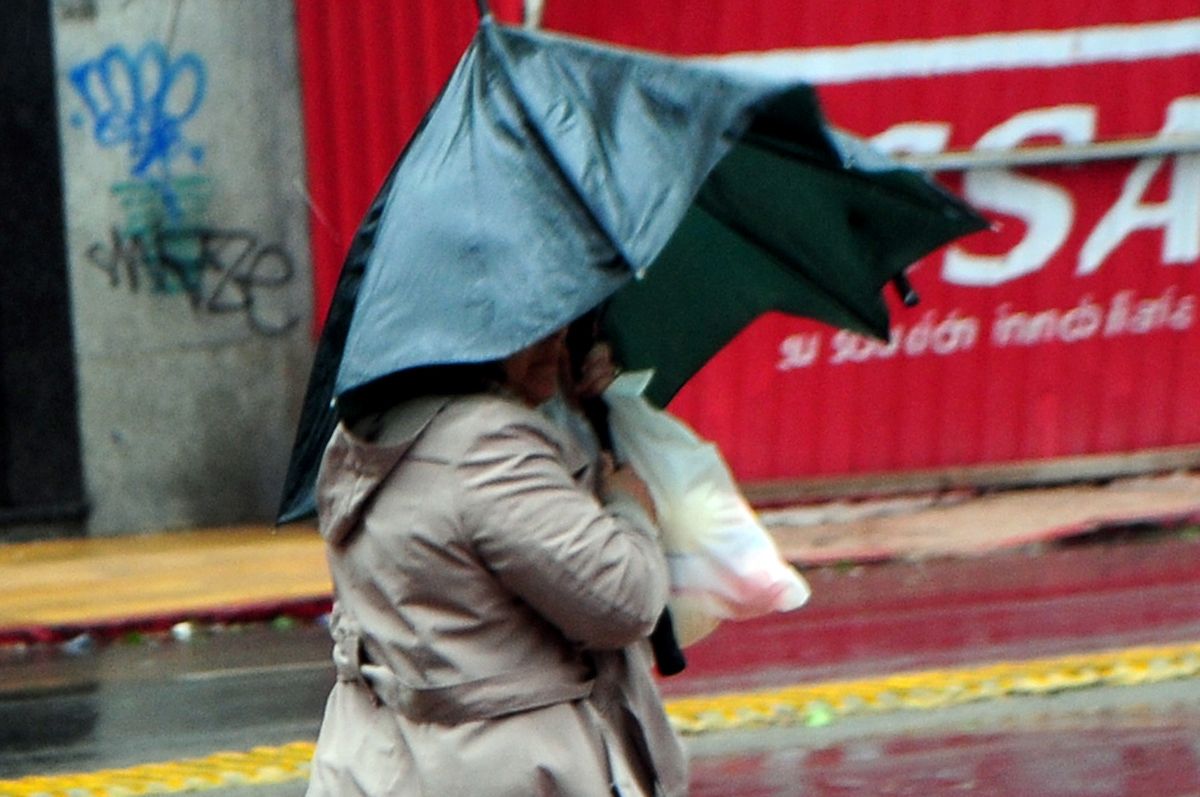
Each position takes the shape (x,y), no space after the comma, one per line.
(811,705)
(108,630)
(820,704)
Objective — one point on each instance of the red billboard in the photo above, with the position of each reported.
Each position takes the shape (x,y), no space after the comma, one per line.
(1070,329)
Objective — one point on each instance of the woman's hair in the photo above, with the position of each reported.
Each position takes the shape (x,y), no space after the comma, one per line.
(384,393)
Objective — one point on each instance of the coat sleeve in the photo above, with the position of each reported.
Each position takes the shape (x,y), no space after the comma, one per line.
(596,573)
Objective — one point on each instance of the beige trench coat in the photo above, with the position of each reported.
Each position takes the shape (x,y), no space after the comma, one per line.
(490,614)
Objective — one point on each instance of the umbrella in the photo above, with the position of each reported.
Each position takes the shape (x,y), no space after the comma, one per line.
(553,173)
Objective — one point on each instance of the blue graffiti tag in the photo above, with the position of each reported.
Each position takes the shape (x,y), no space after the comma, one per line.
(141,102)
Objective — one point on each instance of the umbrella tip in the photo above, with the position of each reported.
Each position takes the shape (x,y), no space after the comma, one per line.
(484,11)
(907,294)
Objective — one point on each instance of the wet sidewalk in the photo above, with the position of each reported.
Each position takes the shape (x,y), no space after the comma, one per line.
(52,590)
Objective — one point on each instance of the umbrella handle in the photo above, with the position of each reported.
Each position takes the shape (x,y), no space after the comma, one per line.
(668,657)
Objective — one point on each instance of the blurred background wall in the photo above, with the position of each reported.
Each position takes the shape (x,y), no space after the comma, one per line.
(180,180)
(186,250)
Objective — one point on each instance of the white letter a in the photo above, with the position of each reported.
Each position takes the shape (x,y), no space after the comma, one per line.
(1179,215)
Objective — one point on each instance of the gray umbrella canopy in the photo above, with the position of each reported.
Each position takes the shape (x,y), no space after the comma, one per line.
(547,171)
(553,173)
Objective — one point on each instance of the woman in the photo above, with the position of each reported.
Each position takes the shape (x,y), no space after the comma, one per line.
(490,611)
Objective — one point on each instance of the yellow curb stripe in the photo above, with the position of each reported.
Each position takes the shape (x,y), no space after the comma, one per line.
(817,704)
(805,704)
(261,765)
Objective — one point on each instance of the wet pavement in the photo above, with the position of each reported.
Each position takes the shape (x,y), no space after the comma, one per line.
(1010,605)
(86,706)
(1127,742)
(1130,741)
(159,700)
(1124,742)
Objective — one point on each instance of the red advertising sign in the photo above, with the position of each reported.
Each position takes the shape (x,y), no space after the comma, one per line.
(1071,328)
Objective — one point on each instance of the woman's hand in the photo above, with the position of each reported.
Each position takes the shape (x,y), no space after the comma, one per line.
(596,373)
(626,480)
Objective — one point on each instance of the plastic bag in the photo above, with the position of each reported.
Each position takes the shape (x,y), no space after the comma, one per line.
(723,563)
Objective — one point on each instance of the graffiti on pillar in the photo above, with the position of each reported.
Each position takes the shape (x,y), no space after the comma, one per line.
(220,270)
(140,103)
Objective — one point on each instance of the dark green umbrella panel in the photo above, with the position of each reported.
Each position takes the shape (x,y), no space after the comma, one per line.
(814,230)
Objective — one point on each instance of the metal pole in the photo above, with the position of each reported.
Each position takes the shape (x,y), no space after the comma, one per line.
(1160,147)
(483,8)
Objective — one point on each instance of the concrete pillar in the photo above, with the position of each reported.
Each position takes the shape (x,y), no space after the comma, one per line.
(183,167)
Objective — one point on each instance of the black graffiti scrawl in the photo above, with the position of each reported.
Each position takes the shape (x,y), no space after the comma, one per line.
(220,271)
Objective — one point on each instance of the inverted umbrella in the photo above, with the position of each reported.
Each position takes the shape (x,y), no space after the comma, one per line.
(552,170)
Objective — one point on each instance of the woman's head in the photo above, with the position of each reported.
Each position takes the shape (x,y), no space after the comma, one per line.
(533,374)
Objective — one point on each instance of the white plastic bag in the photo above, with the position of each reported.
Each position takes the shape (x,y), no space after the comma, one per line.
(724,565)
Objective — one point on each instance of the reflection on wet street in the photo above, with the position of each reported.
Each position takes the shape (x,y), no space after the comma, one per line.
(84,706)
(127,704)
(1111,742)
(136,702)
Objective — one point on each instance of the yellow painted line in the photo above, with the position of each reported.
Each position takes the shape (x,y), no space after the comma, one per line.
(818,704)
(806,704)
(260,766)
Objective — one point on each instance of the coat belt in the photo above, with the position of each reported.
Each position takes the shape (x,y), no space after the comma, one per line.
(483,698)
